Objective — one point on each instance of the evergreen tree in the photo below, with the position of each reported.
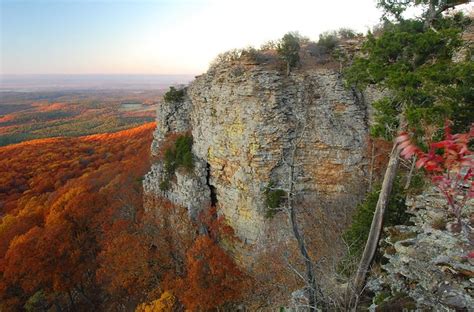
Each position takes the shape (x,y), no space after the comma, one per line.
(416,65)
(413,60)
(289,48)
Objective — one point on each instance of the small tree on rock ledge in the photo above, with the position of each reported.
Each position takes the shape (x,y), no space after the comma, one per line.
(288,48)
(174,95)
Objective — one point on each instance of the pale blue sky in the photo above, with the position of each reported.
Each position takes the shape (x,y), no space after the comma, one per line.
(78,36)
(156,37)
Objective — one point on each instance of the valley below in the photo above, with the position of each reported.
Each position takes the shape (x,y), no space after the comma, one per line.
(304,175)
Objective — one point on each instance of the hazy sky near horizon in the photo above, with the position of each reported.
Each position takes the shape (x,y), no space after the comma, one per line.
(156,37)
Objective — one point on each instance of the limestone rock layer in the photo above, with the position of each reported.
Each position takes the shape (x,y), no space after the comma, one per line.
(245,121)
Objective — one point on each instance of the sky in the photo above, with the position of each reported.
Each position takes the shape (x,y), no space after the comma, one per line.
(156,37)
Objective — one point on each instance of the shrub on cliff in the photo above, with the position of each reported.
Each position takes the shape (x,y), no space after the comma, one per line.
(273,199)
(226,57)
(346,33)
(288,48)
(174,95)
(416,64)
(328,41)
(413,60)
(179,155)
(255,55)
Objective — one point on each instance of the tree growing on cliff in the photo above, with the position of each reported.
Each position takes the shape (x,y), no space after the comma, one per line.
(288,48)
(176,155)
(310,274)
(285,199)
(412,59)
(174,95)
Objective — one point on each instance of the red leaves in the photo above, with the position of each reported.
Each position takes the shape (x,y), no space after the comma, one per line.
(124,267)
(404,144)
(455,155)
(450,163)
(211,277)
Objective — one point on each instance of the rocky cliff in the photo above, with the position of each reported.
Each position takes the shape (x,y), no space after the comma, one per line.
(427,267)
(245,120)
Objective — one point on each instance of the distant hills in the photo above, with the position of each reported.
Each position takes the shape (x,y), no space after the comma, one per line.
(27,83)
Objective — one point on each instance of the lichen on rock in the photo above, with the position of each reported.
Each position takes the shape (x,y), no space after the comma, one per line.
(427,262)
(243,127)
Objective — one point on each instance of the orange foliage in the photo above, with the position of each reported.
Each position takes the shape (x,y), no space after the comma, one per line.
(36,167)
(212,277)
(125,270)
(47,107)
(202,275)
(73,227)
(217,226)
(59,199)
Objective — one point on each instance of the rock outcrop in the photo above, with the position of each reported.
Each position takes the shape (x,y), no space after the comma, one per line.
(428,268)
(245,120)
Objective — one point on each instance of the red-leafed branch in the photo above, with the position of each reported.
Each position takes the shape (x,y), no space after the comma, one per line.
(450,164)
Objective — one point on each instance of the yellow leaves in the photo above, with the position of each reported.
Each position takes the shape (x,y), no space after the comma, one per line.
(164,304)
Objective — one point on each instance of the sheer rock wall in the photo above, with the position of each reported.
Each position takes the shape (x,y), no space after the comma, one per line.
(244,120)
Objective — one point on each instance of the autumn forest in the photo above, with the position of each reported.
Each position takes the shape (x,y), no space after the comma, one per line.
(74,233)
(327,170)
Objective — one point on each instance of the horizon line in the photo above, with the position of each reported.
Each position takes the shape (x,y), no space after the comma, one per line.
(99,74)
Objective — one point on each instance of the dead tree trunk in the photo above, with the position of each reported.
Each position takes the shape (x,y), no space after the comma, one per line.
(355,288)
(435,8)
(309,268)
(376,227)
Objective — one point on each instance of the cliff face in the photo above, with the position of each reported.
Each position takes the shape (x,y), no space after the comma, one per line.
(427,265)
(246,120)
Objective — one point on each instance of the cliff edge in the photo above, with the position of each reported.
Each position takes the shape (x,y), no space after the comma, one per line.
(246,119)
